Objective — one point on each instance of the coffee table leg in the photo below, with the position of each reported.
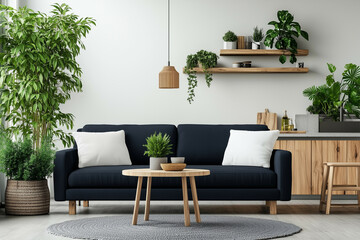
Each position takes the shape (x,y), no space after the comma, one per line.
(186,201)
(137,200)
(195,199)
(148,195)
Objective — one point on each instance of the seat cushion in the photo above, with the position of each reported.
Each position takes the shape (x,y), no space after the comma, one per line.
(206,144)
(135,137)
(220,177)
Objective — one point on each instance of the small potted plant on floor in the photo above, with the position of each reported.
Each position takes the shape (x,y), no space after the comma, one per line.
(257,37)
(230,40)
(203,59)
(27,192)
(282,36)
(158,147)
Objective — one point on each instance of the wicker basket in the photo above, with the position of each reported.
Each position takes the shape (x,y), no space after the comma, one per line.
(27,197)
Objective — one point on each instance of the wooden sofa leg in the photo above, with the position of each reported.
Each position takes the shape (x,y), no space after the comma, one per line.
(86,203)
(273,207)
(72,207)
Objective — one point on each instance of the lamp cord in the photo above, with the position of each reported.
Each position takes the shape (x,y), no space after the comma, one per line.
(168,32)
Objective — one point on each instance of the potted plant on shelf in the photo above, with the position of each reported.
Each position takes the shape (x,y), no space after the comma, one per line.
(282,36)
(205,60)
(158,147)
(230,40)
(336,98)
(38,73)
(257,37)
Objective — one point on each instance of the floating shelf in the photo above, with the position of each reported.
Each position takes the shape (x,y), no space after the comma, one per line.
(260,52)
(254,70)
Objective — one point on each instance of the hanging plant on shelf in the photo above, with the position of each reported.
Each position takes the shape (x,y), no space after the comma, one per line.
(283,35)
(203,59)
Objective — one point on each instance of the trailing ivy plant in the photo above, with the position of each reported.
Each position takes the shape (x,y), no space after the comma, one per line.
(283,35)
(230,37)
(206,60)
(330,97)
(39,70)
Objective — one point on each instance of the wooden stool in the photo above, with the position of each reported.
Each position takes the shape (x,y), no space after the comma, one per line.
(327,184)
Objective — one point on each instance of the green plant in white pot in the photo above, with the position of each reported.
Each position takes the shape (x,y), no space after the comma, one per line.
(230,40)
(38,73)
(257,37)
(158,148)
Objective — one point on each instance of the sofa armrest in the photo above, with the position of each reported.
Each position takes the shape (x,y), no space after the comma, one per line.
(281,164)
(66,161)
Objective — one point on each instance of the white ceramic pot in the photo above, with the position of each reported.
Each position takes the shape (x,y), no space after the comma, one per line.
(155,162)
(255,45)
(177,159)
(230,45)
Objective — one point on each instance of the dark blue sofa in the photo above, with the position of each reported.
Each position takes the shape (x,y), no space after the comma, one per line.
(203,146)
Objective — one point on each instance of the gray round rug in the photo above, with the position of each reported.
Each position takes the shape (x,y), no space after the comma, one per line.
(172,227)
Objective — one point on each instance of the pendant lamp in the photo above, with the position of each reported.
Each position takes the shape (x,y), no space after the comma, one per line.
(168,77)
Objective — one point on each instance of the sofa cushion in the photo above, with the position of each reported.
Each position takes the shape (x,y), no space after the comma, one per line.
(135,136)
(205,144)
(220,177)
(101,149)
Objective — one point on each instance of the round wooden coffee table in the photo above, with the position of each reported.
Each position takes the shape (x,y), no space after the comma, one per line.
(191,173)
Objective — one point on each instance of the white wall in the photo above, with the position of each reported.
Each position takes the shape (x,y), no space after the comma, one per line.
(127,49)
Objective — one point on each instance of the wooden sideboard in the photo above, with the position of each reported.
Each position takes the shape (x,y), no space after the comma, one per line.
(308,156)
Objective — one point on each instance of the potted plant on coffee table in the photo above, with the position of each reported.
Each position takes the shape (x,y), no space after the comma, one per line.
(158,147)
(38,73)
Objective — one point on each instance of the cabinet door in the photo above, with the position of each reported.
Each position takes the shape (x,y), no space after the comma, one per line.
(301,164)
(353,155)
(328,151)
(277,144)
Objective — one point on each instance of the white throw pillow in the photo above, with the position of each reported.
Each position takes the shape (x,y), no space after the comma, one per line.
(250,148)
(99,149)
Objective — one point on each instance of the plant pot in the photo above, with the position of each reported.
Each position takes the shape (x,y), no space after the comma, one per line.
(327,124)
(155,162)
(27,197)
(255,45)
(230,45)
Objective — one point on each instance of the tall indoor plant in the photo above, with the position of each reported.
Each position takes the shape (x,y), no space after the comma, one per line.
(283,35)
(38,73)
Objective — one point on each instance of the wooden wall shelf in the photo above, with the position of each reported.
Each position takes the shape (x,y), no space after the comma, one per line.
(254,70)
(260,52)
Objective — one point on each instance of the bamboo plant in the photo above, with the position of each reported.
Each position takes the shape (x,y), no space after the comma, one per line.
(39,70)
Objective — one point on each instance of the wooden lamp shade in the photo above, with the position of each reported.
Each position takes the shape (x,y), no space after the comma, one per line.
(169,77)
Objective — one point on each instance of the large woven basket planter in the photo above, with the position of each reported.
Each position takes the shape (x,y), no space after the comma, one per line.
(27,197)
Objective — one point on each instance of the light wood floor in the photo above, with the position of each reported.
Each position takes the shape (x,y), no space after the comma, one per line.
(341,224)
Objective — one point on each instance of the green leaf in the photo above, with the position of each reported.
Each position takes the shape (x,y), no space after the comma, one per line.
(330,80)
(305,35)
(331,67)
(282,59)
